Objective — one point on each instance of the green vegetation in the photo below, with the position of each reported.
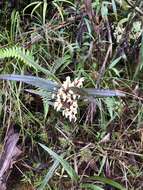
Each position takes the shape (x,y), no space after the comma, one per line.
(87,55)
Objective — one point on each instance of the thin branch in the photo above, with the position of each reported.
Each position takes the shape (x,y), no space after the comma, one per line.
(102,70)
(137,9)
(109,53)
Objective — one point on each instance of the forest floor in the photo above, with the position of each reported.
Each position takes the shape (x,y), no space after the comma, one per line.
(97,48)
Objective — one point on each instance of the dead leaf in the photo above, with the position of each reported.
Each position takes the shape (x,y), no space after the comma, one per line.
(8,156)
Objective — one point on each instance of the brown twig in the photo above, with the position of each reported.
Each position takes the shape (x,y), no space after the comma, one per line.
(109,53)
(102,70)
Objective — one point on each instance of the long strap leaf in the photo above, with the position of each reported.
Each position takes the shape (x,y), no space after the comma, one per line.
(35,81)
(87,92)
(103,92)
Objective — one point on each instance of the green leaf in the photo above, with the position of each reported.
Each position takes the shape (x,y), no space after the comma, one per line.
(36,3)
(64,163)
(35,81)
(114,62)
(49,175)
(108,181)
(36,7)
(102,92)
(23,55)
(94,92)
(59,10)
(91,186)
(111,105)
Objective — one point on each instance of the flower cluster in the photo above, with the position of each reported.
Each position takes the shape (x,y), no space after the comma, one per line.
(66,98)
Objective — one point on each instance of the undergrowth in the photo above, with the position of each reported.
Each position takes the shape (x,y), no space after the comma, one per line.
(100,41)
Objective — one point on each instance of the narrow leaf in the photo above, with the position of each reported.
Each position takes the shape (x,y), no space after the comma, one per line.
(91,186)
(64,163)
(103,92)
(97,92)
(49,175)
(35,81)
(109,182)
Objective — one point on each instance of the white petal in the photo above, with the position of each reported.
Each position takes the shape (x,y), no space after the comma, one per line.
(71,92)
(53,96)
(74,96)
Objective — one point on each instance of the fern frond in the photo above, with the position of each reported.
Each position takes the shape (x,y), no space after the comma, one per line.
(22,55)
(17,53)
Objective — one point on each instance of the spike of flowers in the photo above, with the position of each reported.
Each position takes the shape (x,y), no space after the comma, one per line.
(66,100)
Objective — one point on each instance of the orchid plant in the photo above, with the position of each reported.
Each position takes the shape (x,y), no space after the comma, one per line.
(64,97)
